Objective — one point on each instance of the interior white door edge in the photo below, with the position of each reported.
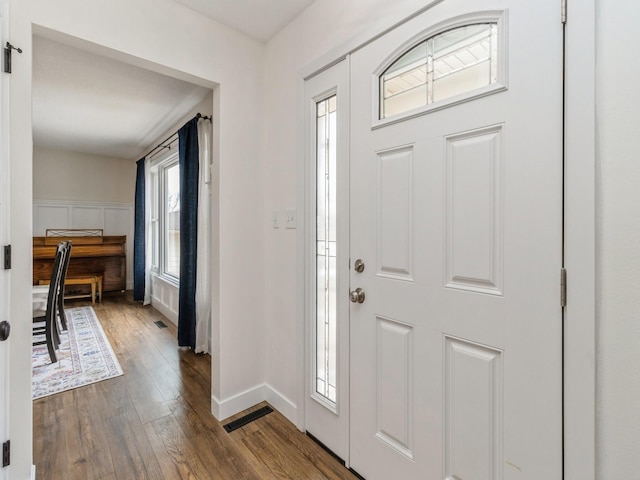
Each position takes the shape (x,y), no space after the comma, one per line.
(4,273)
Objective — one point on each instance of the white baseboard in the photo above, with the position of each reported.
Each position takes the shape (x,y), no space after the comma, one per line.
(281,403)
(164,310)
(224,409)
(33,472)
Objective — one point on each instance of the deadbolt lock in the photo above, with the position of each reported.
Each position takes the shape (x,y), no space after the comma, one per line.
(359,266)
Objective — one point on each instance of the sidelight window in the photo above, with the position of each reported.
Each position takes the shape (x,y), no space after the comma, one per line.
(326,249)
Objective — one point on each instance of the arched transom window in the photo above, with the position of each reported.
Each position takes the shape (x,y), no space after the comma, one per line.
(446,65)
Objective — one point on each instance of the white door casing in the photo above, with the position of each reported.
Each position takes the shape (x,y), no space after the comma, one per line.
(456,353)
(580,243)
(4,274)
(328,422)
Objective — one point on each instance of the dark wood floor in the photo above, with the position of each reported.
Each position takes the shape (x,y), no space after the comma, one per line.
(154,421)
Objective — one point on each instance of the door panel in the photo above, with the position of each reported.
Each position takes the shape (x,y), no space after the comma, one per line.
(456,211)
(394,368)
(394,217)
(472,409)
(473,211)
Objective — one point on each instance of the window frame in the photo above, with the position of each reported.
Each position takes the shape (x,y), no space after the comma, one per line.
(158,216)
(325,400)
(499,17)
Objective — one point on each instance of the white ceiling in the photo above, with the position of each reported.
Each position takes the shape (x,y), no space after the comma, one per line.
(88,103)
(260,19)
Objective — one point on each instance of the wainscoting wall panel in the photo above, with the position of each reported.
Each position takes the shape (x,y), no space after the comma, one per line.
(85,217)
(164,297)
(112,218)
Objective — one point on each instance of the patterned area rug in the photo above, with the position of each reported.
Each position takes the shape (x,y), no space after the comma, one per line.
(85,356)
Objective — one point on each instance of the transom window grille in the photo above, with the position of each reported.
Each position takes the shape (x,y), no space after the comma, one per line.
(326,252)
(457,61)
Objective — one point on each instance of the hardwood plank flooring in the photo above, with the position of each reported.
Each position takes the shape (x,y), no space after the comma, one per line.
(154,422)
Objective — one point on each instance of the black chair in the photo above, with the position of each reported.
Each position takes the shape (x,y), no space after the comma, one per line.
(63,276)
(40,291)
(47,324)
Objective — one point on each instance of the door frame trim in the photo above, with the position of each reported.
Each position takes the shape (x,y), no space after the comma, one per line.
(579,213)
(580,249)
(333,81)
(5,239)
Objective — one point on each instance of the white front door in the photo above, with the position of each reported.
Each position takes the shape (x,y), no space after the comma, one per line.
(456,213)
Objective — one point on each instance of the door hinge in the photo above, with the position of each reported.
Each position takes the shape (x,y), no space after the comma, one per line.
(7,257)
(6,453)
(7,56)
(563,11)
(563,287)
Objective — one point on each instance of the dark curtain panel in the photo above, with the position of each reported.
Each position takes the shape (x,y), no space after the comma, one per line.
(139,236)
(189,168)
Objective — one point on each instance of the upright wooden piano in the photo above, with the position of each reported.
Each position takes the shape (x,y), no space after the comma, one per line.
(91,254)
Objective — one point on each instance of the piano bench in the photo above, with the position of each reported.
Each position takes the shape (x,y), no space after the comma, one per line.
(94,280)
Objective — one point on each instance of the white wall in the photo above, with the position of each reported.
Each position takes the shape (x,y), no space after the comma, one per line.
(100,189)
(618,240)
(169,38)
(64,175)
(302,42)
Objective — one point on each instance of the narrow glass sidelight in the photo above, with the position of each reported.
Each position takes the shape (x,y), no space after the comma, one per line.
(172,221)
(326,250)
(451,63)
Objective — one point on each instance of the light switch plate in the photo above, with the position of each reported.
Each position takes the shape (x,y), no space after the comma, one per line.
(290,218)
(275,216)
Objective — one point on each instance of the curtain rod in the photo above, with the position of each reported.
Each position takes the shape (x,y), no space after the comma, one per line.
(162,143)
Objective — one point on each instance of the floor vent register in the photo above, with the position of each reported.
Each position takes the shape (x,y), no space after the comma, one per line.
(248,418)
